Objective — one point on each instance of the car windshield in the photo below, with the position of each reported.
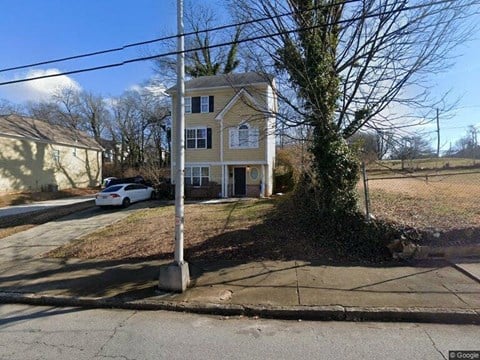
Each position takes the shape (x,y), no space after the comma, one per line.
(111,189)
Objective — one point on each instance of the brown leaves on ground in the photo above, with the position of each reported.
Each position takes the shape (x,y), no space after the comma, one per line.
(243,230)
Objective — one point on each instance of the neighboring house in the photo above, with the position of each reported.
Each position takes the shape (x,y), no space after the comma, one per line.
(230,135)
(35,155)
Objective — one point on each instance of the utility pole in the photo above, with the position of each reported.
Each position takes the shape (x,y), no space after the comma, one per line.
(438,135)
(176,276)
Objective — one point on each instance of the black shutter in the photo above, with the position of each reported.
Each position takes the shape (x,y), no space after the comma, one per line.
(196,104)
(210,104)
(209,138)
(185,138)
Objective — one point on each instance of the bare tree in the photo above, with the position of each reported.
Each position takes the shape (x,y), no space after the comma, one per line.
(346,65)
(7,107)
(204,60)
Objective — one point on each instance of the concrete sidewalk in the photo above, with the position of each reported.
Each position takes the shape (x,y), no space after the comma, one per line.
(421,292)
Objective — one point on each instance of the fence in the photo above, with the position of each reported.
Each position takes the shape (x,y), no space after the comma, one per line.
(440,199)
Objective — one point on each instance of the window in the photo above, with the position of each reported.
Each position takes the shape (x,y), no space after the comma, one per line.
(244,137)
(199,104)
(197,175)
(74,151)
(204,104)
(56,155)
(188,105)
(198,138)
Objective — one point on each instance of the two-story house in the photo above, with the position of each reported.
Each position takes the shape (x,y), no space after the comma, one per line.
(229,135)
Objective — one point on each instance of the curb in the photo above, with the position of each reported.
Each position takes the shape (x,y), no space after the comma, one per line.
(318,313)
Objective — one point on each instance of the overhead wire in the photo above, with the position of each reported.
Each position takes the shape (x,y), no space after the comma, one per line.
(258,37)
(165,38)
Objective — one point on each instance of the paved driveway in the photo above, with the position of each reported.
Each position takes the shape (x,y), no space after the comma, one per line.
(32,243)
(42,205)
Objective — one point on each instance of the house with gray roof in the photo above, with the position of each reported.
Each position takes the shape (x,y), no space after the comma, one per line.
(35,155)
(229,135)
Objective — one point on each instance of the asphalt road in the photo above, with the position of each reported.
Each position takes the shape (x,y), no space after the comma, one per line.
(70,333)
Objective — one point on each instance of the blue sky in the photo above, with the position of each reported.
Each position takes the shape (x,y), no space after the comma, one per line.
(35,30)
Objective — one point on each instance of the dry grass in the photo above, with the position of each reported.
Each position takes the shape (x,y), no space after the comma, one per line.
(250,229)
(444,202)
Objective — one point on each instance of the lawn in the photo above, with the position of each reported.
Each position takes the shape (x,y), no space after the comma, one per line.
(443,202)
(251,229)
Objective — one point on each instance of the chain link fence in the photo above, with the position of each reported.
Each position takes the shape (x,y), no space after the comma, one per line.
(442,199)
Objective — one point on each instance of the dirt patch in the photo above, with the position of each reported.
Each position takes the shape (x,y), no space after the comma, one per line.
(244,230)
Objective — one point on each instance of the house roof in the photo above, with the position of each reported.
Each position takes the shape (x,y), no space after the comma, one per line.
(36,130)
(225,80)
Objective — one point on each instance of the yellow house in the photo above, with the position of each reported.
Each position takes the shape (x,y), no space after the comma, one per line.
(229,136)
(35,155)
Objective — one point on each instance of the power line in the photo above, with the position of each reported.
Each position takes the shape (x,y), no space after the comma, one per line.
(259,37)
(170,37)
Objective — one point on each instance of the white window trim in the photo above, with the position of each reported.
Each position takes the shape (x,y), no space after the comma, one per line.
(196,138)
(201,177)
(202,98)
(253,137)
(188,105)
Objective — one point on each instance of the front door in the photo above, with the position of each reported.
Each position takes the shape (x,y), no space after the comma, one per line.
(240,181)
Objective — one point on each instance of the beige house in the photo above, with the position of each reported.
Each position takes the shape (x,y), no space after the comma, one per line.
(230,135)
(35,155)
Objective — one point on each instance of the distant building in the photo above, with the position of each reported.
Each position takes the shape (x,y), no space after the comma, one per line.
(230,135)
(35,155)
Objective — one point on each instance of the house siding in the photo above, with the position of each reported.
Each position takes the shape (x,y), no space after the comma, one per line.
(221,121)
(30,165)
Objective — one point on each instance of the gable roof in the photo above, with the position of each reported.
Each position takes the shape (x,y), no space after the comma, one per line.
(238,96)
(17,126)
(225,80)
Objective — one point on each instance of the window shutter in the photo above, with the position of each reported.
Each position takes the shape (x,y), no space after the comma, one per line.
(185,138)
(210,104)
(209,138)
(196,104)
(233,138)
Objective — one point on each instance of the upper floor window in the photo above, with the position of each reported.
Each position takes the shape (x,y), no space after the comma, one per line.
(188,105)
(244,137)
(199,104)
(198,138)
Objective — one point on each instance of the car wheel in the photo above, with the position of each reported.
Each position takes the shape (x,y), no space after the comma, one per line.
(126,202)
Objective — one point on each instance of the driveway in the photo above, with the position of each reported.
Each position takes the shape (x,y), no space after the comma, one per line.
(34,242)
(42,205)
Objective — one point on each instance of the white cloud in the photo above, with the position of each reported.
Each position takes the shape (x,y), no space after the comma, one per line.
(36,90)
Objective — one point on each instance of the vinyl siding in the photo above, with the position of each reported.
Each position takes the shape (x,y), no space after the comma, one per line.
(29,165)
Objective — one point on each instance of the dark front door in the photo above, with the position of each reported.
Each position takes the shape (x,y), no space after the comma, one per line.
(240,179)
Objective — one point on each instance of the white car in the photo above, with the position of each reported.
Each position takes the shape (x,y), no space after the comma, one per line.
(123,195)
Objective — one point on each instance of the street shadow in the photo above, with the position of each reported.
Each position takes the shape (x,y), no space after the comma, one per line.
(16,317)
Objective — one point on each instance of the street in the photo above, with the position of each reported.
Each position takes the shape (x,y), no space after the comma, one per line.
(71,333)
